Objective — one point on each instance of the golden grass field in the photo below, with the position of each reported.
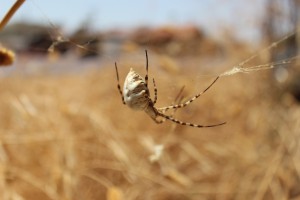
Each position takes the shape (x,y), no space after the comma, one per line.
(69,136)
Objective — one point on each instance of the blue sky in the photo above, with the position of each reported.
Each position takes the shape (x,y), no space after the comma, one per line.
(237,15)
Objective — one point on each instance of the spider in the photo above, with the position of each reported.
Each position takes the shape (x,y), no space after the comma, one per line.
(136,95)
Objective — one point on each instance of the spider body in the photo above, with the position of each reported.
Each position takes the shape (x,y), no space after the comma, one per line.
(136,95)
(135,91)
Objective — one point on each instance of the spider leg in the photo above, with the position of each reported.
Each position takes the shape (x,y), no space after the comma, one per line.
(187,123)
(155,92)
(119,87)
(188,101)
(177,100)
(146,77)
(153,113)
(159,121)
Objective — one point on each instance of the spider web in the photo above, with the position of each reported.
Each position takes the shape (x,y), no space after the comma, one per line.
(241,68)
(58,37)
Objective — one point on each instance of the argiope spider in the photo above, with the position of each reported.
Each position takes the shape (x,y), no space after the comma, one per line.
(136,95)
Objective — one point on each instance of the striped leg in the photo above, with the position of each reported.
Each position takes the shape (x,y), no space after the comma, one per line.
(178,99)
(159,121)
(189,101)
(119,87)
(146,77)
(187,123)
(155,92)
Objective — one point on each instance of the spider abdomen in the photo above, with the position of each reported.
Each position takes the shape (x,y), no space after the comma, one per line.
(135,91)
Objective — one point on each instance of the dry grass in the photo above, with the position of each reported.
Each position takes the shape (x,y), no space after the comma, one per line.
(69,137)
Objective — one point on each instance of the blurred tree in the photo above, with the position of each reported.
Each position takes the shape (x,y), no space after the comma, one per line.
(283,17)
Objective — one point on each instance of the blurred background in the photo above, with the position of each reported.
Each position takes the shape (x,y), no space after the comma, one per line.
(65,134)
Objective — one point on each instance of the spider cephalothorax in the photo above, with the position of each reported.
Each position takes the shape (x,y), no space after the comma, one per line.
(136,95)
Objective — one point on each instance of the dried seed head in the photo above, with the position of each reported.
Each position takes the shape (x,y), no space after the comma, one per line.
(7,57)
